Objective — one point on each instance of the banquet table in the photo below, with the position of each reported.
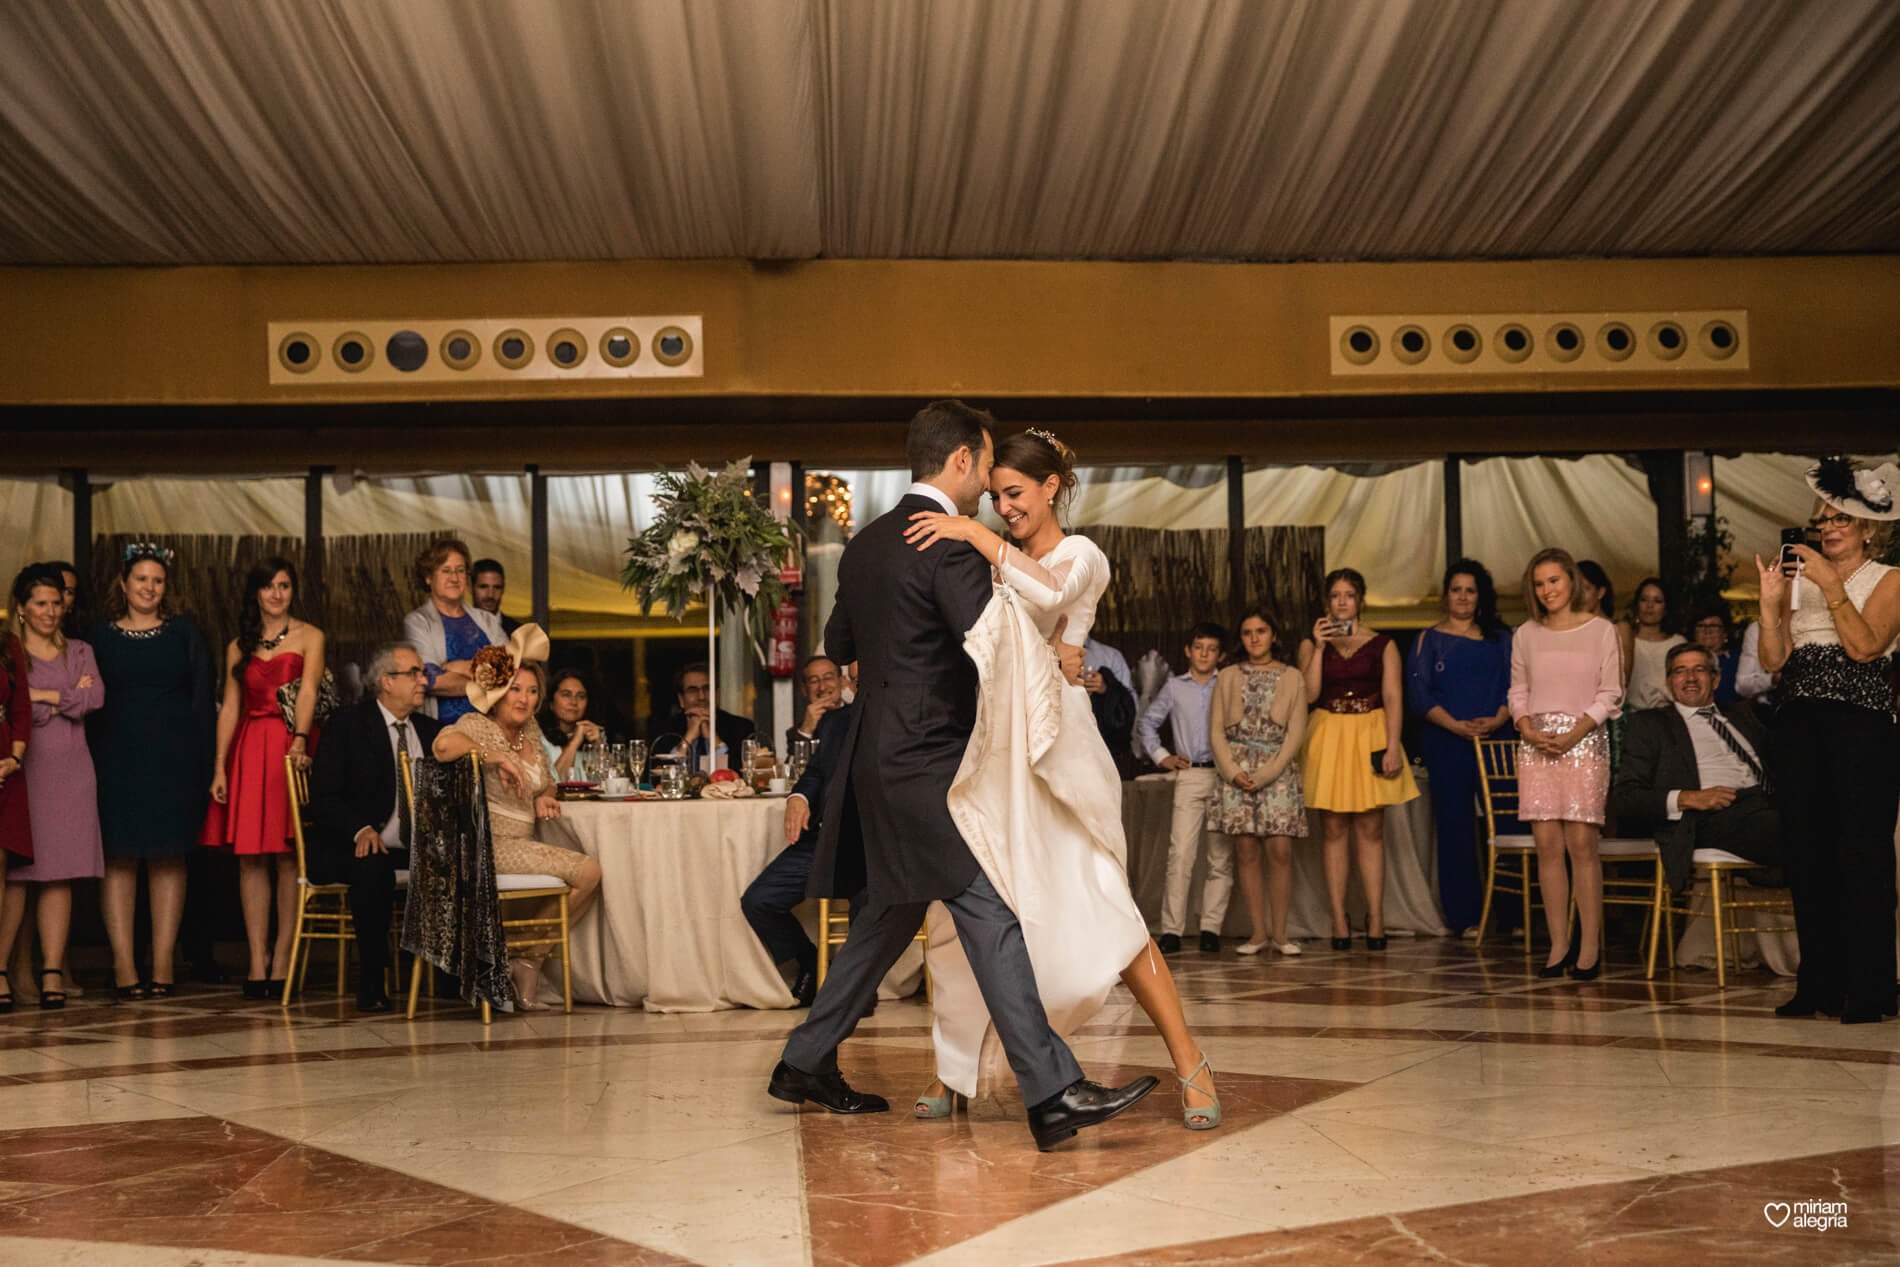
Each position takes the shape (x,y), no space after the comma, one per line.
(1411,868)
(667,933)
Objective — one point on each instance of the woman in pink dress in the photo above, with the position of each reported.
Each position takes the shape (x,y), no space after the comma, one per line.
(65,686)
(250,801)
(1566,682)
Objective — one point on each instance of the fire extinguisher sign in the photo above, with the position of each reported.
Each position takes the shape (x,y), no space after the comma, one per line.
(782,661)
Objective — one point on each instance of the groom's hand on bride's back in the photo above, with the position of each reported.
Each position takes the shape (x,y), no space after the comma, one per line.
(1071,661)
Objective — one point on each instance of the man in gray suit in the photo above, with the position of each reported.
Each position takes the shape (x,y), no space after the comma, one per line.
(902,613)
(1695,775)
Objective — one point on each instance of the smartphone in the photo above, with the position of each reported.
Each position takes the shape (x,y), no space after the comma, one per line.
(1791,537)
(1378,763)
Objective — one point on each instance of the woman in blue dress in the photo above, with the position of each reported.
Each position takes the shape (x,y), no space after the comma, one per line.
(446,631)
(1459,674)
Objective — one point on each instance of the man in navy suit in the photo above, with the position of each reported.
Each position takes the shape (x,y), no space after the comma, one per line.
(359,828)
(768,901)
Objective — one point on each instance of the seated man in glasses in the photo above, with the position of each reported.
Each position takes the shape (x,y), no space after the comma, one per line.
(683,732)
(358,833)
(823,685)
(1694,774)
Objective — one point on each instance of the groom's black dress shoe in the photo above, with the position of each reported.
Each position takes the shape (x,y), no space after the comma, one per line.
(1170,943)
(827,1090)
(1082,1103)
(1210,943)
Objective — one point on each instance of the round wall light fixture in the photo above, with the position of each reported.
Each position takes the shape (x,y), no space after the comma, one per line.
(513,349)
(1359,346)
(297,352)
(353,352)
(620,347)
(1512,343)
(1410,345)
(672,346)
(460,350)
(1563,342)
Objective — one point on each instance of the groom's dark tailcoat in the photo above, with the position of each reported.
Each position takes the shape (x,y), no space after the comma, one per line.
(1659,758)
(902,614)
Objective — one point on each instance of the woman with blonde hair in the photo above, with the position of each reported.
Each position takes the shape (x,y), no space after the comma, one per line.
(1566,682)
(504,693)
(1832,634)
(64,687)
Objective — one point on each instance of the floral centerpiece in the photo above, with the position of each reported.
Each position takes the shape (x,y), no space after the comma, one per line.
(713,541)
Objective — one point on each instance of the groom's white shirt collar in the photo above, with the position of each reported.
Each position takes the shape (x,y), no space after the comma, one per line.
(935,494)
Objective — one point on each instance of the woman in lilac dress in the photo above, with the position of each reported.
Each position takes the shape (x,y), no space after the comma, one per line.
(1566,682)
(62,795)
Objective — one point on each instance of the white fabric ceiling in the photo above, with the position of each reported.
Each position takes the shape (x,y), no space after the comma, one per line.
(309,131)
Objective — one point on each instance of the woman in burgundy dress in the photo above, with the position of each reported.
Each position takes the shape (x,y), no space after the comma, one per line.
(250,799)
(1353,766)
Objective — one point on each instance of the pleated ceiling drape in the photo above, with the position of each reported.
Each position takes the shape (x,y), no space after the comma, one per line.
(309,131)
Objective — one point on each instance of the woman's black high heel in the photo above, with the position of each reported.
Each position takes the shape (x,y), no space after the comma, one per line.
(1585,974)
(1558,969)
(52,1000)
(1342,943)
(6,1004)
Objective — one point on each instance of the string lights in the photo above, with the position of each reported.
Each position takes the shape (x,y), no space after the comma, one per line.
(829,497)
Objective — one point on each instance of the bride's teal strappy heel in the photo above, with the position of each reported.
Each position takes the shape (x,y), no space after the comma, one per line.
(1207,1117)
(928,1106)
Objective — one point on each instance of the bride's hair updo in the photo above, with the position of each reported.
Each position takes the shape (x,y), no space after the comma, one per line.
(1038,455)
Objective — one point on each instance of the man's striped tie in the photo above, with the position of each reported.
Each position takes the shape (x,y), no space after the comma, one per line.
(1735,745)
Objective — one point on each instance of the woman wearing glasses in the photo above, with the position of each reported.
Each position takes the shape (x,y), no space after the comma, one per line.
(445,630)
(1832,631)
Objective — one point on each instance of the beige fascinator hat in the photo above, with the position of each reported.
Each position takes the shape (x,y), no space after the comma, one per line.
(1863,492)
(495,667)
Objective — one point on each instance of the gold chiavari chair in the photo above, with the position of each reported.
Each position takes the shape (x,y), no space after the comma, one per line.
(323,910)
(1497,780)
(1719,867)
(519,932)
(834,925)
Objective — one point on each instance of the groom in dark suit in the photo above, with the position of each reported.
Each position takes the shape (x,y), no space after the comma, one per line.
(358,835)
(902,614)
(1695,775)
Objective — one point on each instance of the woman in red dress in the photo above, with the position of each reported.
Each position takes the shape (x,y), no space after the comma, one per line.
(250,801)
(16,724)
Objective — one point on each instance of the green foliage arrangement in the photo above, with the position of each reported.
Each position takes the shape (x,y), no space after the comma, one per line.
(711,540)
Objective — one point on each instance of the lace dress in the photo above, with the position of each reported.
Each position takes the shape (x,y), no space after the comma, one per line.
(511,818)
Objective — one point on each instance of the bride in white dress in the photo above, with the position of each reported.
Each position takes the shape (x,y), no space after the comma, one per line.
(1038,799)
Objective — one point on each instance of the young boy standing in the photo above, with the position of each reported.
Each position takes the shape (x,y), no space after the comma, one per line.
(1183,703)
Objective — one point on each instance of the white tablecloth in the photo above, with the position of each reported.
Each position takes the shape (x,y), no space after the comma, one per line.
(667,933)
(1411,868)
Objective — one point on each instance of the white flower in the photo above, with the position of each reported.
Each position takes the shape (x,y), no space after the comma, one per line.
(682,544)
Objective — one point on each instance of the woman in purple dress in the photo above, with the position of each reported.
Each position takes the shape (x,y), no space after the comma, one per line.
(62,795)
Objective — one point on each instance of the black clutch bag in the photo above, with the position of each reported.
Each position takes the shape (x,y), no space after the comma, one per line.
(288,693)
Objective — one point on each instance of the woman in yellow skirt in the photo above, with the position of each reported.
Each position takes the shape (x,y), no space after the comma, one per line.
(1353,765)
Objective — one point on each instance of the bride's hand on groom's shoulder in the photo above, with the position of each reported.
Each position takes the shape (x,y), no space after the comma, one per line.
(927,526)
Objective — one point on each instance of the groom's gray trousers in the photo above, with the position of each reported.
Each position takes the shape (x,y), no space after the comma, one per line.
(992,939)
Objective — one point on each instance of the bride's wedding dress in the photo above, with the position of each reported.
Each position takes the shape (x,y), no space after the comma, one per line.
(1038,801)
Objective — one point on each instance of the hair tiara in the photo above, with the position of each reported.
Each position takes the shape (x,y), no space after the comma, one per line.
(140,550)
(1062,450)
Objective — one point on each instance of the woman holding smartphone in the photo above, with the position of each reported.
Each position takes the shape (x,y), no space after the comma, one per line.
(1353,766)
(1566,682)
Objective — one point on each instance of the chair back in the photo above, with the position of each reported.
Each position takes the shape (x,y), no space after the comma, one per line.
(452,918)
(1497,779)
(298,781)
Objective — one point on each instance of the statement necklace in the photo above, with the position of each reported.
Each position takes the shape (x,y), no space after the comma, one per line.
(271,644)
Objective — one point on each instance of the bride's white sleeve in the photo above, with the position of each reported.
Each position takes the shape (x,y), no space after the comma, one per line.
(1074,590)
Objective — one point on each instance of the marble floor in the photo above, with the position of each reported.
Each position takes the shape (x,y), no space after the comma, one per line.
(1433,1103)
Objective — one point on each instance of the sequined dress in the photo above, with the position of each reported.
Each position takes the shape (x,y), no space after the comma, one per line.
(511,818)
(1557,677)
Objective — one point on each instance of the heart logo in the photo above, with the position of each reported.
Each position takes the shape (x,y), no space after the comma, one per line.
(1776,1212)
